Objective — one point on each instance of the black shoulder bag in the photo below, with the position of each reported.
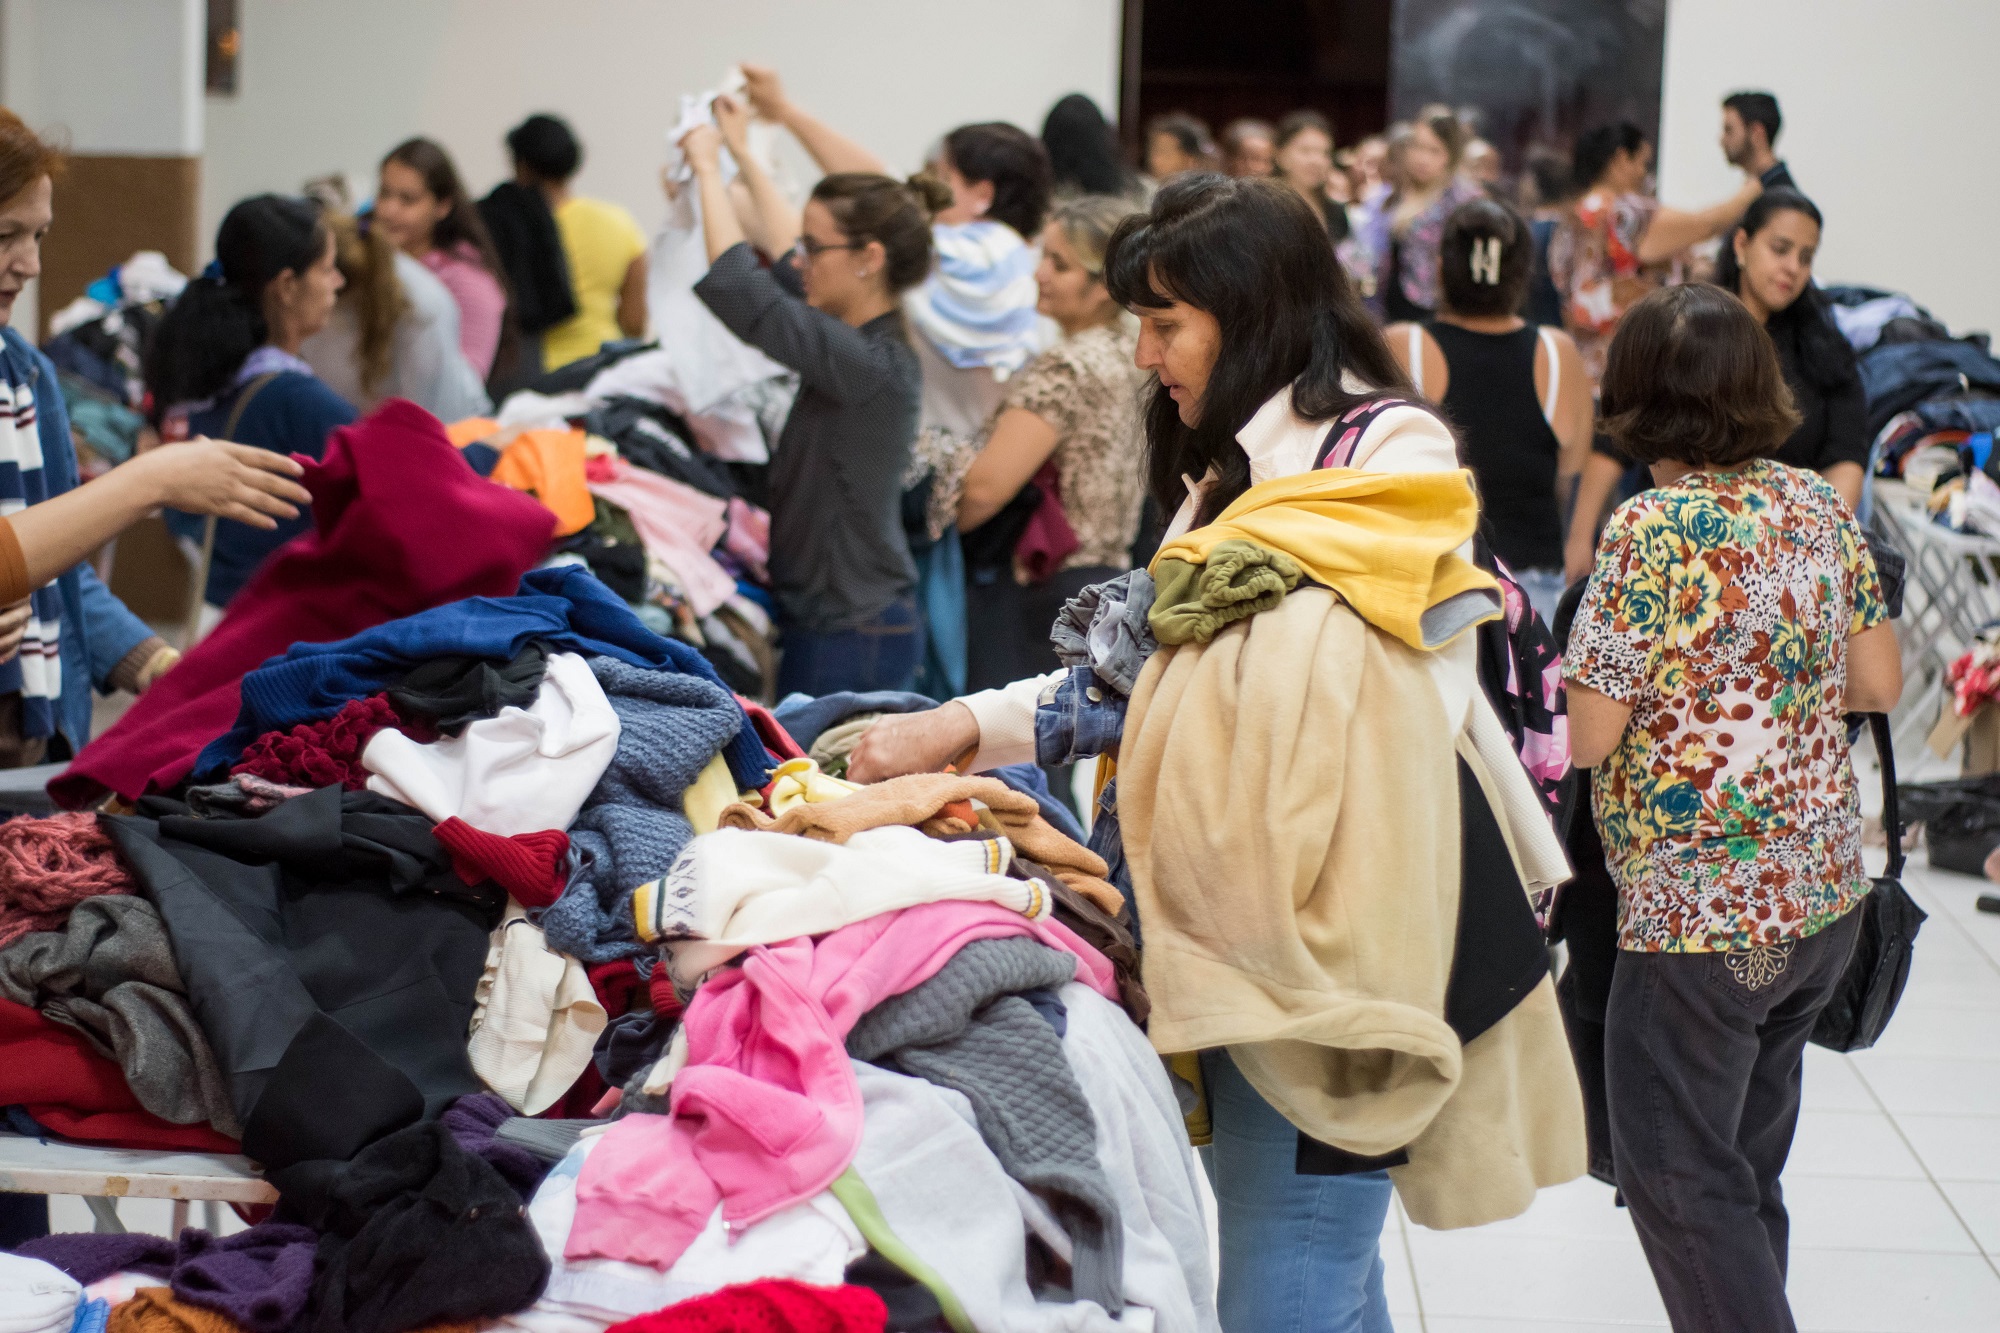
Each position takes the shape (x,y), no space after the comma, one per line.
(1866,998)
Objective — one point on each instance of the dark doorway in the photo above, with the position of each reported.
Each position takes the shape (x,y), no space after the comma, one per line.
(1538,72)
(1263,59)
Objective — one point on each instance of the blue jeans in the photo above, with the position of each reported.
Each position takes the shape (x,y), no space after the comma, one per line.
(1300,1254)
(879,655)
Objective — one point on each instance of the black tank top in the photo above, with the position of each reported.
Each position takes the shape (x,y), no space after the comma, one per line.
(1507,442)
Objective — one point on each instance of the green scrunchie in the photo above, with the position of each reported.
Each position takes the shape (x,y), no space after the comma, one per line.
(1194,602)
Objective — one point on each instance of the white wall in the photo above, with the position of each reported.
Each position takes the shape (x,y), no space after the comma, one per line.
(330,85)
(117,77)
(120,77)
(1890,110)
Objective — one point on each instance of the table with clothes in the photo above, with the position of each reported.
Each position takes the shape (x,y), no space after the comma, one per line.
(548,979)
(557,987)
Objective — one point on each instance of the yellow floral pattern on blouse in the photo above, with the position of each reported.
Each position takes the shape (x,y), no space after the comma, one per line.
(1720,608)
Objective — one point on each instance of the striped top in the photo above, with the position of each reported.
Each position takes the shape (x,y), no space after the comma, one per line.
(35,672)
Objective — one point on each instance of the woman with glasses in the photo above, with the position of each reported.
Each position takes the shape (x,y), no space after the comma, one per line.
(831,310)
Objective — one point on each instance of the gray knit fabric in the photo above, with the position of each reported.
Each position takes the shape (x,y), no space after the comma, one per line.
(110,974)
(967,1028)
(632,828)
(549,1140)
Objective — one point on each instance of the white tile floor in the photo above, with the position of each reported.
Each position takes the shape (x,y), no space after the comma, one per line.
(1894,1183)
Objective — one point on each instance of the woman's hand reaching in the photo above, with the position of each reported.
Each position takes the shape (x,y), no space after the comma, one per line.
(236,481)
(766,93)
(703,147)
(897,744)
(732,118)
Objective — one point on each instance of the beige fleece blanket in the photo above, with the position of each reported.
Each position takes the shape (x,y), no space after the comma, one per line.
(1288,794)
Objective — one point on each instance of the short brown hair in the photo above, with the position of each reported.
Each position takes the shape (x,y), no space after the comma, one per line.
(25,156)
(1691,377)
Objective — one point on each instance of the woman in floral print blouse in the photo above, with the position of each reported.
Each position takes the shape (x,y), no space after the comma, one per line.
(1732,621)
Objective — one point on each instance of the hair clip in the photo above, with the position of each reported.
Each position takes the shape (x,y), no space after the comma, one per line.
(1486,260)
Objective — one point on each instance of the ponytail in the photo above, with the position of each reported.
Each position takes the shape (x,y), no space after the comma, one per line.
(203,340)
(869,207)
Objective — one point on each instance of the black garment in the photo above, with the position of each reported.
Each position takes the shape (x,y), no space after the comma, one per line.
(452,691)
(530,248)
(630,1043)
(1506,441)
(838,555)
(1335,217)
(1395,302)
(417,1231)
(1542,304)
(330,953)
(1007,625)
(911,1306)
(1835,425)
(1498,956)
(23,1217)
(574,376)
(1778,177)
(1587,921)
(659,439)
(1704,1053)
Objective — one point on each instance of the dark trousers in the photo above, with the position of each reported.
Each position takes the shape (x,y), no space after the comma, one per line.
(1703,1053)
(880,655)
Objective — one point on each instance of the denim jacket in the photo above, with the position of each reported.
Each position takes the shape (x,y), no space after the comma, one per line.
(97,630)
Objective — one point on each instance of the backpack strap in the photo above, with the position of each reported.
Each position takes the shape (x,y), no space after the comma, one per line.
(1345,435)
(198,576)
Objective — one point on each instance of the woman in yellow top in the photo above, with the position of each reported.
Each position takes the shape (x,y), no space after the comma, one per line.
(604,247)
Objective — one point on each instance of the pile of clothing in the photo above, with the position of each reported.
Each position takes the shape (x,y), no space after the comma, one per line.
(549,980)
(1933,403)
(98,343)
(630,463)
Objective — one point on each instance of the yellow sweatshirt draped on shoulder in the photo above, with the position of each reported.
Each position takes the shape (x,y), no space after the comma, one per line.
(1386,542)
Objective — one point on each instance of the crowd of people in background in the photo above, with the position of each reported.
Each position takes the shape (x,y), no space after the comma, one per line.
(1022,368)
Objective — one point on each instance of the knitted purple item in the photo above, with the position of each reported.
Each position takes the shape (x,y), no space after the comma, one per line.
(89,1258)
(259,1278)
(472,1119)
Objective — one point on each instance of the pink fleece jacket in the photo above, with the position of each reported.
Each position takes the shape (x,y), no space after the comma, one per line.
(766,1113)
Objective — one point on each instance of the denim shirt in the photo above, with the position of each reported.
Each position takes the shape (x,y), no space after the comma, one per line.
(97,630)
(1079,718)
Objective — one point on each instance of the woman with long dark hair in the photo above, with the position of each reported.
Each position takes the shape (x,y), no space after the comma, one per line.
(1302,157)
(225,361)
(1767,262)
(421,207)
(1274,395)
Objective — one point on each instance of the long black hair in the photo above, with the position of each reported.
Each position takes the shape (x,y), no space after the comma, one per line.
(219,320)
(1826,358)
(1083,149)
(1252,254)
